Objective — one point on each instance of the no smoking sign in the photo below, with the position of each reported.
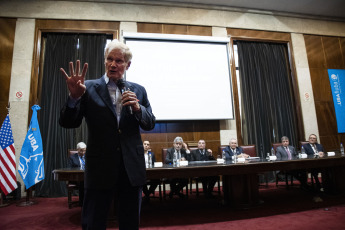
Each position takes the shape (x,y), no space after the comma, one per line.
(19,94)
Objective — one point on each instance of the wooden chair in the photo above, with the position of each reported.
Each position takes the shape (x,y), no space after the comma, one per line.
(71,185)
(301,143)
(165,180)
(251,151)
(286,174)
(196,179)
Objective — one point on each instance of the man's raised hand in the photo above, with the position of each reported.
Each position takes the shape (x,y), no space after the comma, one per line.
(75,82)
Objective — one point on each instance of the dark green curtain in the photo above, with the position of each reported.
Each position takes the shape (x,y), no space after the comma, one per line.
(91,50)
(59,50)
(267,103)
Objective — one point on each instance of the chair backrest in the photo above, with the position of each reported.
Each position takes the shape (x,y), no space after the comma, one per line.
(71,152)
(220,149)
(276,145)
(249,149)
(302,143)
(164,154)
(193,148)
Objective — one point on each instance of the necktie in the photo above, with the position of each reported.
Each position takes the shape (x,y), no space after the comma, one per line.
(288,152)
(315,149)
(82,162)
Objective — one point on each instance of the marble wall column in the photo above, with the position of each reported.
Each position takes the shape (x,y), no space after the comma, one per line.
(20,83)
(304,85)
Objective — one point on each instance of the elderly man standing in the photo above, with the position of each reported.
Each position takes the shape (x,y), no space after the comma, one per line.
(114,112)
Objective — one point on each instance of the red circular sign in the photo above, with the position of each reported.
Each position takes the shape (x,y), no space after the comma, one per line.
(19,94)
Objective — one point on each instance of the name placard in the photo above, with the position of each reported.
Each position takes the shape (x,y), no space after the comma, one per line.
(273,158)
(183,163)
(220,161)
(330,154)
(158,164)
(241,160)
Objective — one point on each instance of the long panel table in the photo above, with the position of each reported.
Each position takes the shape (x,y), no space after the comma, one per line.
(240,180)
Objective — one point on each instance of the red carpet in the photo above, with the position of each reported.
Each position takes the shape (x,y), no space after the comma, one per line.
(282,209)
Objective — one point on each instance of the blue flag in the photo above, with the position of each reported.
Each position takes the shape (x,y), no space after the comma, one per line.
(31,167)
(337,81)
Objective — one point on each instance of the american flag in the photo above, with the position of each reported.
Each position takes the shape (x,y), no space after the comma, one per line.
(8,181)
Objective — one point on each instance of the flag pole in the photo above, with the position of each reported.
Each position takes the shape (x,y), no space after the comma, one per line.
(28,149)
(27,201)
(2,204)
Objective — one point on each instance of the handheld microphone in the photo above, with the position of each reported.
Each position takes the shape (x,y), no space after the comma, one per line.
(121,84)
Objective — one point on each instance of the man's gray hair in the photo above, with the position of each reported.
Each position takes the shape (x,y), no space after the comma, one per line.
(115,44)
(233,139)
(284,138)
(178,139)
(81,145)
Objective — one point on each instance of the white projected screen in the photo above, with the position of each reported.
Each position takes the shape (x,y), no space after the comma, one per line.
(184,80)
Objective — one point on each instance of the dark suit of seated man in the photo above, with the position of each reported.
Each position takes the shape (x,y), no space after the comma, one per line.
(232,150)
(177,184)
(311,149)
(288,152)
(201,154)
(152,184)
(77,160)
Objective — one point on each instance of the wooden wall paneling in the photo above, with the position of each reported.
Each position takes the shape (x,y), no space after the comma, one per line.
(330,142)
(314,47)
(342,47)
(321,86)
(149,28)
(323,53)
(175,29)
(7,32)
(326,118)
(257,34)
(200,30)
(332,52)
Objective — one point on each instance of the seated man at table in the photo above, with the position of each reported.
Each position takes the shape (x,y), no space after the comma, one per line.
(311,149)
(233,149)
(177,184)
(203,154)
(77,160)
(151,185)
(287,152)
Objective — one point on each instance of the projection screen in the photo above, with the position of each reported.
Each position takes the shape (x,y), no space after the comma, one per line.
(186,77)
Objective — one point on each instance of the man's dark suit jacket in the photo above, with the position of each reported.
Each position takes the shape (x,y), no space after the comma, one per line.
(229,153)
(309,150)
(282,154)
(170,155)
(196,155)
(73,161)
(110,145)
